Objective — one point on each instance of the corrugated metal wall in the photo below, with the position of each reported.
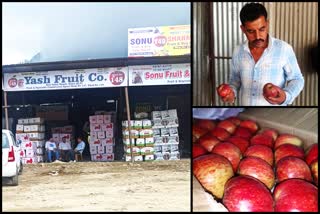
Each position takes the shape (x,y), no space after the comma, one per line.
(295,23)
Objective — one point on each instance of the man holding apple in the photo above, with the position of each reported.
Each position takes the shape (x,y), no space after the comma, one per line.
(263,68)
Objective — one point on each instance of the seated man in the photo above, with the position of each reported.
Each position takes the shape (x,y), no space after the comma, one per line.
(51,148)
(65,150)
(80,147)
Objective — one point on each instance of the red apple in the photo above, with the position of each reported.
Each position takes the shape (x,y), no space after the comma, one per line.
(227,125)
(249,124)
(292,167)
(270,90)
(260,151)
(247,194)
(208,142)
(234,120)
(261,139)
(197,132)
(286,150)
(271,132)
(257,168)
(220,133)
(229,151)
(287,139)
(205,124)
(240,142)
(224,90)
(312,153)
(198,150)
(243,132)
(295,195)
(314,170)
(212,171)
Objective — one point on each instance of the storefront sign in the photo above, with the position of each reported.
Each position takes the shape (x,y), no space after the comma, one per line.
(159,41)
(162,74)
(66,79)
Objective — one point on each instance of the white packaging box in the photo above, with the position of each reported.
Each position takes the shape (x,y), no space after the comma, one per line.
(134,133)
(93,149)
(107,119)
(39,144)
(173,140)
(146,133)
(164,114)
(95,127)
(101,149)
(172,122)
(108,157)
(28,145)
(127,142)
(93,119)
(146,124)
(165,132)
(149,141)
(166,148)
(135,150)
(174,156)
(107,142)
(166,155)
(56,130)
(67,129)
(37,128)
(140,142)
(95,141)
(96,157)
(19,128)
(30,153)
(174,148)
(137,124)
(37,120)
(36,136)
(101,135)
(173,132)
(158,156)
(128,158)
(141,115)
(156,132)
(109,130)
(157,148)
(22,121)
(138,158)
(66,135)
(155,115)
(147,150)
(148,157)
(93,135)
(157,124)
(56,137)
(40,151)
(22,137)
(29,160)
(125,124)
(40,158)
(27,128)
(158,140)
(100,119)
(109,149)
(172,113)
(30,121)
(22,153)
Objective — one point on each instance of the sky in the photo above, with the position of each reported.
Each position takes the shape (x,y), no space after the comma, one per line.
(75,31)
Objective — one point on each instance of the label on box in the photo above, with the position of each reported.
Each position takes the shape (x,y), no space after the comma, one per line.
(93,119)
(155,115)
(100,119)
(173,139)
(109,157)
(127,142)
(109,149)
(96,157)
(166,155)
(95,141)
(140,142)
(165,132)
(19,128)
(95,127)
(134,133)
(37,128)
(135,150)
(101,135)
(22,137)
(164,114)
(158,140)
(149,141)
(173,113)
(27,128)
(158,156)
(146,124)
(22,121)
(30,153)
(157,123)
(93,149)
(138,158)
(166,148)
(147,150)
(107,119)
(28,145)
(174,148)
(107,142)
(172,122)
(37,120)
(125,124)
(101,149)
(22,153)
(156,133)
(173,132)
(93,135)
(30,121)
(157,148)
(174,156)
(29,160)
(137,124)
(146,133)
(40,151)
(148,157)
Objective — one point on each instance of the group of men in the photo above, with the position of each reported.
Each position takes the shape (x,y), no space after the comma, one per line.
(63,150)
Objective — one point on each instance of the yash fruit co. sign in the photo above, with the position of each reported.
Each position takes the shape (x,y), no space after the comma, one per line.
(159,41)
(67,79)
(162,74)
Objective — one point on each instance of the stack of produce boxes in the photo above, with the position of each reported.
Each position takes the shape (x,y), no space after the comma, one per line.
(30,133)
(66,131)
(142,140)
(102,137)
(166,136)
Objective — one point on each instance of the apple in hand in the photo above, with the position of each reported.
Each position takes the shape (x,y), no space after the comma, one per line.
(224,90)
(247,194)
(229,151)
(212,171)
(292,167)
(270,90)
(260,151)
(257,168)
(312,153)
(286,150)
(295,195)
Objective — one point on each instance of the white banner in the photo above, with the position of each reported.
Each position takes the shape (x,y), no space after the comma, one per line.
(162,74)
(66,79)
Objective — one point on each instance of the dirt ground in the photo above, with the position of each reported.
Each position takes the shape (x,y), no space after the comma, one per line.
(101,186)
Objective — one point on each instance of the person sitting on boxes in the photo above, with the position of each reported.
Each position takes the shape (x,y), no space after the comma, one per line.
(51,148)
(80,147)
(66,150)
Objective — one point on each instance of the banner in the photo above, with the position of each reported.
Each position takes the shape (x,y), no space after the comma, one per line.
(66,79)
(162,74)
(159,41)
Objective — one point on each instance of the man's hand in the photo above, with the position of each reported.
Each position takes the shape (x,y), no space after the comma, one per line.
(277,100)
(229,98)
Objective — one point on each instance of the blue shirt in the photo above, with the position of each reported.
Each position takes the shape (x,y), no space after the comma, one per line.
(215,113)
(80,146)
(277,65)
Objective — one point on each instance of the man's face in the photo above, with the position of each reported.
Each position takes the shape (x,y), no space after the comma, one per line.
(256,32)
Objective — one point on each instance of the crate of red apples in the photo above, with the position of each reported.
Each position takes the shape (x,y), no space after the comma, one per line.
(249,168)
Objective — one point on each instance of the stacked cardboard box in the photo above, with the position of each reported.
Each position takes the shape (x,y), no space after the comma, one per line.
(102,137)
(66,131)
(30,133)
(142,140)
(165,132)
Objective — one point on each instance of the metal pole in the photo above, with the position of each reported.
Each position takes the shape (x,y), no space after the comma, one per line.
(129,120)
(6,109)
